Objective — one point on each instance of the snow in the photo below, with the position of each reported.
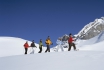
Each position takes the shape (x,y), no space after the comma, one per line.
(79,60)
(93,41)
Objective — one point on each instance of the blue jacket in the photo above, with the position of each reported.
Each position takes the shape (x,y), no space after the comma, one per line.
(58,42)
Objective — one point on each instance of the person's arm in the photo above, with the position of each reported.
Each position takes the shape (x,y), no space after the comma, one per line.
(46,42)
(41,44)
(73,39)
(35,45)
(24,45)
(51,43)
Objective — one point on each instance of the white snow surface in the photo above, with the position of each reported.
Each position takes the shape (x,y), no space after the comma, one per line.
(78,60)
(94,44)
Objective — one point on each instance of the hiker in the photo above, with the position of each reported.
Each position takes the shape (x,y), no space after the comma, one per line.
(33,46)
(40,46)
(26,46)
(59,44)
(48,43)
(70,42)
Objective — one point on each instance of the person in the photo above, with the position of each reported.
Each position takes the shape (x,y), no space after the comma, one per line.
(40,46)
(70,42)
(48,43)
(59,44)
(26,46)
(33,46)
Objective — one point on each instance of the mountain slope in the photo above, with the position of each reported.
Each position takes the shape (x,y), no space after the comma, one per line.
(97,39)
(14,46)
(92,29)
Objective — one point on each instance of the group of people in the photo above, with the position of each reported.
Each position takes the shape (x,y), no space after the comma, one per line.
(48,42)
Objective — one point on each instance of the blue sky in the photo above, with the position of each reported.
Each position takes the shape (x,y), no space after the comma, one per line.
(37,19)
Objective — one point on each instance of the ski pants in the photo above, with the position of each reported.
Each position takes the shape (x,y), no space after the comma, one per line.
(48,48)
(32,50)
(71,44)
(60,46)
(26,49)
(40,49)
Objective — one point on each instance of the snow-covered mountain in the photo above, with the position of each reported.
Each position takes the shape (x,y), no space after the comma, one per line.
(92,29)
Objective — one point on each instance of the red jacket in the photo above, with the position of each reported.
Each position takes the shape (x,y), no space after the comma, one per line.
(26,45)
(70,40)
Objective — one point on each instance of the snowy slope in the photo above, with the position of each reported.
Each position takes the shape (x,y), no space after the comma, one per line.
(97,40)
(14,46)
(11,46)
(78,60)
(93,44)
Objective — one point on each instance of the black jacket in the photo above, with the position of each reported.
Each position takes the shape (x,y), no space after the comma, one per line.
(33,45)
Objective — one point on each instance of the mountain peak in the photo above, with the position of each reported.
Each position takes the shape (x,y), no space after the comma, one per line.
(92,29)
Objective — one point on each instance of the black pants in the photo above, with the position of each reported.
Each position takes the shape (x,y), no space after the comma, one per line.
(26,49)
(71,44)
(40,49)
(48,48)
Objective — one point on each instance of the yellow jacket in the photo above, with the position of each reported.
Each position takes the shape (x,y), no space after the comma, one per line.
(48,42)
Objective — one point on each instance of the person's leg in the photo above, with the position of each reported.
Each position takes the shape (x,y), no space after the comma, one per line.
(33,49)
(40,49)
(46,49)
(26,50)
(74,46)
(69,47)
